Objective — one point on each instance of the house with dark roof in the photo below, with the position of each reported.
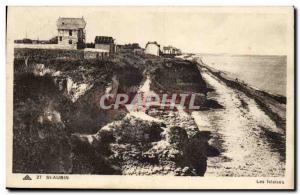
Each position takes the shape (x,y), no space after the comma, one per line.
(170,51)
(71,32)
(105,43)
(167,50)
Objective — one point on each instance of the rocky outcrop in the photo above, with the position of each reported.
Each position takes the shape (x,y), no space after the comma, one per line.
(134,146)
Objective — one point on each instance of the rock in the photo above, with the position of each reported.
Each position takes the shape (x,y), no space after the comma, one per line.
(178,136)
(133,130)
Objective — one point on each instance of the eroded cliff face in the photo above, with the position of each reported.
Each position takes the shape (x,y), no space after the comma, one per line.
(41,141)
(60,128)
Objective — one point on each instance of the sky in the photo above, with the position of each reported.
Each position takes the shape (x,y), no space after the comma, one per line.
(192,29)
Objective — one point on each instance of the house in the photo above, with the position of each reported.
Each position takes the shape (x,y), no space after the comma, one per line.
(71,32)
(105,43)
(177,52)
(152,48)
(167,50)
(170,51)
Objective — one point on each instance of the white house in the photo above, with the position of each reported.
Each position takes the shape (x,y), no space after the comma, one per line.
(105,43)
(71,32)
(152,48)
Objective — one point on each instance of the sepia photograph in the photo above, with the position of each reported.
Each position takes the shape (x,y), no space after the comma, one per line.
(150,97)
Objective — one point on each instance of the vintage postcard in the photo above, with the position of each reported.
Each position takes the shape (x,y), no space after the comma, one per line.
(150,97)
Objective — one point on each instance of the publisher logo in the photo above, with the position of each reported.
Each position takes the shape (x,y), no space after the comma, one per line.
(27,177)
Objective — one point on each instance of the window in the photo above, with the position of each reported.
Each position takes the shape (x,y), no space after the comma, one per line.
(70,42)
(70,32)
(60,38)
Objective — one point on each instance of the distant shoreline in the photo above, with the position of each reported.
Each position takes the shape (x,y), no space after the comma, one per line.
(272,104)
(235,68)
(237,55)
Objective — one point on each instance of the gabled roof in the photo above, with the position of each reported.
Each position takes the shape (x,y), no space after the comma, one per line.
(70,23)
(152,43)
(103,40)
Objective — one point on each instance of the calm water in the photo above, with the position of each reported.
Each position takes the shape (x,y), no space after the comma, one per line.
(263,72)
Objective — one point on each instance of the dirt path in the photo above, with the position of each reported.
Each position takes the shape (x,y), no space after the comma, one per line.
(249,141)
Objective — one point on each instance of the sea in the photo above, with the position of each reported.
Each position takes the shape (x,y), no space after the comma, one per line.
(266,73)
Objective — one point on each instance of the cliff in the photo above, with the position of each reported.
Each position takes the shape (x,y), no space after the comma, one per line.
(60,128)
